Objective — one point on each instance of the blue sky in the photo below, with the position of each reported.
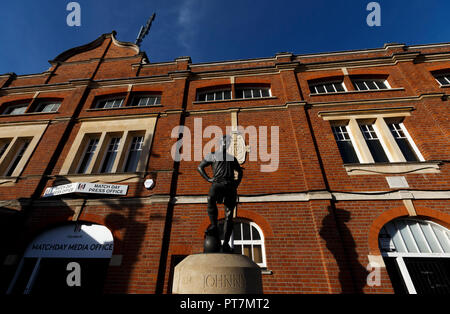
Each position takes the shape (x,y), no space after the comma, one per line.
(35,31)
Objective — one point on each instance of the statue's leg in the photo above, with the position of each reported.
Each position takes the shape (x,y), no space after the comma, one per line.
(212,207)
(230,204)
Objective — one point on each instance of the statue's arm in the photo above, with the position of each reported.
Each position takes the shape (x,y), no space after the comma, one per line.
(201,169)
(240,173)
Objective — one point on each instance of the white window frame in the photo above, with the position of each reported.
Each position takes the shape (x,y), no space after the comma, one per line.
(385,82)
(105,129)
(97,105)
(15,134)
(111,148)
(215,91)
(250,242)
(380,138)
(157,100)
(325,83)
(352,139)
(381,128)
(446,76)
(42,105)
(23,146)
(243,89)
(86,146)
(410,140)
(399,256)
(129,149)
(10,109)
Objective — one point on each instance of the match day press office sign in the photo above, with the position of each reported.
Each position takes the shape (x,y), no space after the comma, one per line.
(81,187)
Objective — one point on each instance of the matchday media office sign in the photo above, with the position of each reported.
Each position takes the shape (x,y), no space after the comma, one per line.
(93,188)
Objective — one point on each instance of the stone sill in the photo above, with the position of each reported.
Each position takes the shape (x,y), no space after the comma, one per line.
(122,108)
(8,181)
(28,114)
(393,168)
(359,92)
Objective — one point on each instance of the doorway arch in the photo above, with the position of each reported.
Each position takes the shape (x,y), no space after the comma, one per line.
(417,255)
(72,258)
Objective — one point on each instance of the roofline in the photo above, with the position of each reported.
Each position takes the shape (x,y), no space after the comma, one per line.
(94,44)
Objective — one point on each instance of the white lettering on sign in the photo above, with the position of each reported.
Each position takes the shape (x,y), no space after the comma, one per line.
(80,187)
(70,247)
(87,241)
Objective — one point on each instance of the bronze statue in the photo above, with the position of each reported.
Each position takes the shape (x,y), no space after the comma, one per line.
(223,191)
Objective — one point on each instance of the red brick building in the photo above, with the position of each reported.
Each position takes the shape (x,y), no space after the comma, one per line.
(345,157)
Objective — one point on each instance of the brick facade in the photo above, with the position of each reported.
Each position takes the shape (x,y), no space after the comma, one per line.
(320,222)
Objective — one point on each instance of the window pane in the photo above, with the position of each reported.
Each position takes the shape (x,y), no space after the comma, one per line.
(219,95)
(360,85)
(209,96)
(403,142)
(246,231)
(339,87)
(257,254)
(442,80)
(381,84)
(377,151)
(320,89)
(3,148)
(90,150)
(257,93)
(134,154)
(143,101)
(227,94)
(157,100)
(373,143)
(406,236)
(371,85)
(265,92)
(255,234)
(237,231)
(347,152)
(329,88)
(239,93)
(202,97)
(111,153)
(247,93)
(49,107)
(345,144)
(419,237)
(16,110)
(313,89)
(248,251)
(407,150)
(17,159)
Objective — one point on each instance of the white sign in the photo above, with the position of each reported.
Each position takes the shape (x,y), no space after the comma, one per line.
(87,241)
(81,187)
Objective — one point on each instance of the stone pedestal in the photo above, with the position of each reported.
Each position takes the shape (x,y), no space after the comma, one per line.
(217,273)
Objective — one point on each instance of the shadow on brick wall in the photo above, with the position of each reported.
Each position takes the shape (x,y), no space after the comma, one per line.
(340,242)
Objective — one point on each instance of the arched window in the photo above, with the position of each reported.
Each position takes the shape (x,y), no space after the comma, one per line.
(247,239)
(417,256)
